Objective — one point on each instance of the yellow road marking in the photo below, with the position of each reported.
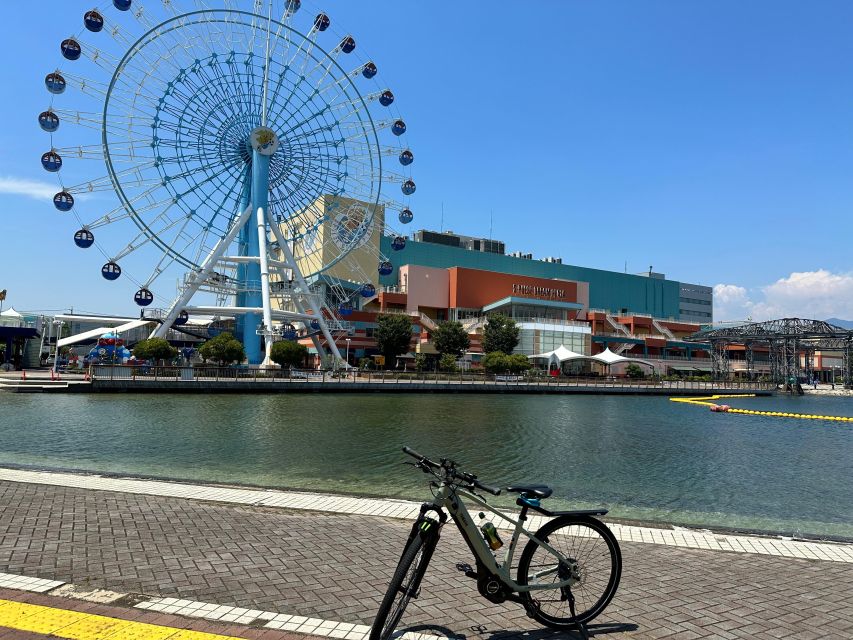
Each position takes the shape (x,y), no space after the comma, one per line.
(75,625)
(705,401)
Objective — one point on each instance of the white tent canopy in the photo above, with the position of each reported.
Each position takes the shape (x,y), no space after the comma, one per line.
(560,354)
(11,318)
(607,357)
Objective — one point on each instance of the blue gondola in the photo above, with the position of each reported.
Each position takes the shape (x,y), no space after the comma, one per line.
(408,187)
(48,121)
(55,83)
(71,49)
(347,44)
(63,201)
(182,319)
(398,243)
(122,5)
(293,6)
(368,290)
(385,268)
(322,22)
(345,311)
(386,98)
(398,128)
(51,161)
(143,297)
(93,21)
(406,216)
(84,238)
(369,70)
(288,332)
(111,271)
(407,158)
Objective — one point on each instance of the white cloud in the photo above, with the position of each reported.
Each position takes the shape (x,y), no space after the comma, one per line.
(30,188)
(731,302)
(816,295)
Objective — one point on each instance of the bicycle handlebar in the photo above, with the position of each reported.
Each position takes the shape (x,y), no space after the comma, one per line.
(451,470)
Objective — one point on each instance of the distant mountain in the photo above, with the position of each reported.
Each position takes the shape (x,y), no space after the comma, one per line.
(844,324)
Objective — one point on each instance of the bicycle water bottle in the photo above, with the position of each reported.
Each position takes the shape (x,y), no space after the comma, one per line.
(491,534)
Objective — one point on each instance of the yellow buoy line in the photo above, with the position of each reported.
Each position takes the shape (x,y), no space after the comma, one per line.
(707,401)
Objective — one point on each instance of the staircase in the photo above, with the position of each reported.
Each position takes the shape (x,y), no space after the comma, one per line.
(620,329)
(472,324)
(426,321)
(669,335)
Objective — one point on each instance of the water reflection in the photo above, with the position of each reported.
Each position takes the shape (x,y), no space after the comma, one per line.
(643,457)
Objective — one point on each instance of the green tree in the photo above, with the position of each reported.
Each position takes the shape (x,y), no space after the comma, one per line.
(393,336)
(500,334)
(447,362)
(420,361)
(223,349)
(633,371)
(495,362)
(154,349)
(450,338)
(517,363)
(287,353)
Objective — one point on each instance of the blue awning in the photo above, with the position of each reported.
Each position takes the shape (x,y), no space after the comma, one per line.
(17,332)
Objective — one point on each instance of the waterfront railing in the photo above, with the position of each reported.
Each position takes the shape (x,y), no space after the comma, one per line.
(308,376)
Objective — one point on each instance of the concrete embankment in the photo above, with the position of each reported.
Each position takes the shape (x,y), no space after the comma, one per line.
(412,386)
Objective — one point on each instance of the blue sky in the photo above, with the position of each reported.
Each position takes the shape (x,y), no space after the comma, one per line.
(711,140)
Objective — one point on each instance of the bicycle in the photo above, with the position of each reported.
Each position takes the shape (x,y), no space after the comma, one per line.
(567,573)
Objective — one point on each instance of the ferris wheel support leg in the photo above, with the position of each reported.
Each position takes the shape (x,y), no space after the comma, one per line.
(199,278)
(260,179)
(297,274)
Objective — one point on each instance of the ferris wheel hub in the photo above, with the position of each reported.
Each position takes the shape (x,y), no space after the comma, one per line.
(265,141)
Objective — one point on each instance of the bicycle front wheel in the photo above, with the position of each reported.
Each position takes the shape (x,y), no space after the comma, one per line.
(590,557)
(404,586)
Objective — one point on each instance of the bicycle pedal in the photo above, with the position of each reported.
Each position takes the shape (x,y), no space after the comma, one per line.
(467,569)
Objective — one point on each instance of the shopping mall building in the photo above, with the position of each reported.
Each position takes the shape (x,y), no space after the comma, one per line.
(444,276)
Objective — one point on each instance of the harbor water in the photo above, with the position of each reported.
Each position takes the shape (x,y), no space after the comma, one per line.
(644,458)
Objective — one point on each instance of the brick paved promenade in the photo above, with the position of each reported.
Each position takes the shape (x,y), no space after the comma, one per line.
(336,566)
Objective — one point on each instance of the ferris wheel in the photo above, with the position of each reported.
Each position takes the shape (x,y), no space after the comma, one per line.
(251,150)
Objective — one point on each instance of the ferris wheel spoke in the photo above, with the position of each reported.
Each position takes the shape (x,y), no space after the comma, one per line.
(117,214)
(140,240)
(141,16)
(98,56)
(106,182)
(302,80)
(229,84)
(92,120)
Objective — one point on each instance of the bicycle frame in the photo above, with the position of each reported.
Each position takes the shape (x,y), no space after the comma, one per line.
(448,498)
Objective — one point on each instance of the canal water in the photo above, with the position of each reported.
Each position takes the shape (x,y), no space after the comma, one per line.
(645,458)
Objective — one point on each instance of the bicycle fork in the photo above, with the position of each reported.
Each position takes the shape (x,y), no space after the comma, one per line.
(429,530)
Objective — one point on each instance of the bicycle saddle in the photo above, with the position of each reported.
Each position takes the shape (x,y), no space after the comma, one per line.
(531,490)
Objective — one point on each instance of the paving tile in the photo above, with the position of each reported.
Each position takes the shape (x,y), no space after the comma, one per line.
(241,559)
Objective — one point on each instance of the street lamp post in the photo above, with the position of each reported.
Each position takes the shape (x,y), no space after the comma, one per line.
(58,324)
(351,369)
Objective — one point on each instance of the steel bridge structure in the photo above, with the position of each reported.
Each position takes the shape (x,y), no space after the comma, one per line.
(792,343)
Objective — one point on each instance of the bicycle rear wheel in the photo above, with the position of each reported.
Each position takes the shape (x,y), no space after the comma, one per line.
(403,587)
(591,558)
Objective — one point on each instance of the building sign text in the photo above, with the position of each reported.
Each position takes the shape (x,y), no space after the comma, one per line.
(539,292)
